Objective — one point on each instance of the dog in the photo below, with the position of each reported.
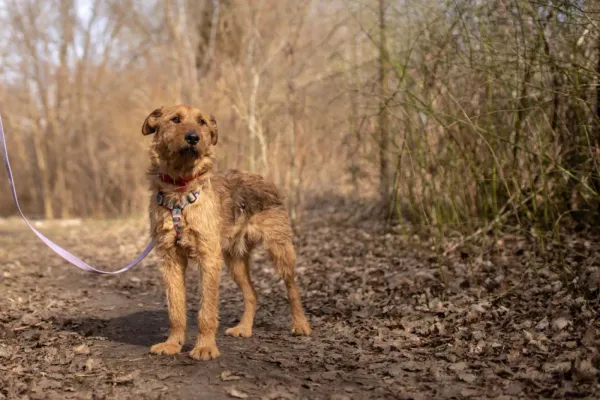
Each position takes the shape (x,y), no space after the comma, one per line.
(197,214)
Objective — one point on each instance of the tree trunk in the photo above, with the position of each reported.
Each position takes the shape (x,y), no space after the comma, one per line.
(40,158)
(292,139)
(252,129)
(384,135)
(597,138)
(61,128)
(354,138)
(186,83)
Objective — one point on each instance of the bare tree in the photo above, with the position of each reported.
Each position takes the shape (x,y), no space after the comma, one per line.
(185,42)
(386,181)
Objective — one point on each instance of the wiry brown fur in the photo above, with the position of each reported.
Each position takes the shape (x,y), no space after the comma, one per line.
(234,213)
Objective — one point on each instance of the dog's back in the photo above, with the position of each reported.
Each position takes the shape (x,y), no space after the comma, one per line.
(252,212)
(246,193)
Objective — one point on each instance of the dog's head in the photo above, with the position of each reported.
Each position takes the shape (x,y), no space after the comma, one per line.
(184,138)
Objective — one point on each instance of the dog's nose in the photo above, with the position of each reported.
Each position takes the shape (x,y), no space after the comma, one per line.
(192,137)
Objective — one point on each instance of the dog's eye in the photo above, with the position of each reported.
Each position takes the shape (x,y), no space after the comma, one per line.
(176,120)
(202,122)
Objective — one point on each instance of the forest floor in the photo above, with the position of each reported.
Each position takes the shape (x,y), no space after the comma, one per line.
(392,318)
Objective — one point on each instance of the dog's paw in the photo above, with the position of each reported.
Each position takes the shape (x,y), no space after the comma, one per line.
(166,348)
(205,353)
(301,327)
(239,331)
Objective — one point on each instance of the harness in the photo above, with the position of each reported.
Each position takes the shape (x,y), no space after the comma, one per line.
(177,208)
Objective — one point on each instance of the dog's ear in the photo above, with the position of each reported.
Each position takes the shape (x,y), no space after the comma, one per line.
(151,121)
(214,130)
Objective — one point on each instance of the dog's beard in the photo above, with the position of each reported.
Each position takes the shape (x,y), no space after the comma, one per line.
(189,152)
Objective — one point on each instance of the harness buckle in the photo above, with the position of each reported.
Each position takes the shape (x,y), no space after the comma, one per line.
(192,196)
(177,209)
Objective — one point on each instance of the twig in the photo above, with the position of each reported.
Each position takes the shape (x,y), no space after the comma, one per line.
(22,328)
(506,293)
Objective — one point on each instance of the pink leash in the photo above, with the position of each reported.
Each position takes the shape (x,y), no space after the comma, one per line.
(56,248)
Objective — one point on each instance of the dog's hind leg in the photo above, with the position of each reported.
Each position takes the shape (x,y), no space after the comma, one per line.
(239,267)
(284,257)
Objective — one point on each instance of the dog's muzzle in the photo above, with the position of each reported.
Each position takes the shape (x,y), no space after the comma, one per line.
(189,151)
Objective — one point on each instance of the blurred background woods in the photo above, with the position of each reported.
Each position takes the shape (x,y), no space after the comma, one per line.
(455,115)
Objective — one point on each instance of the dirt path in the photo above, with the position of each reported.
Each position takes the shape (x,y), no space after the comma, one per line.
(390,321)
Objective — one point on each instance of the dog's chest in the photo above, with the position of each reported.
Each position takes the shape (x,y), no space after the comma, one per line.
(185,226)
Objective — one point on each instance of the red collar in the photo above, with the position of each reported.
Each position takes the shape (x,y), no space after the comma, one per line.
(180,183)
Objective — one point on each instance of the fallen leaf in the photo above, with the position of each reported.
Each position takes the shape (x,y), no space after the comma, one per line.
(469,393)
(589,337)
(45,384)
(329,375)
(228,376)
(162,375)
(469,378)
(478,307)
(459,366)
(561,367)
(127,378)
(89,364)
(395,370)
(586,370)
(513,356)
(338,396)
(30,319)
(82,349)
(543,324)
(237,394)
(560,323)
(514,389)
(412,366)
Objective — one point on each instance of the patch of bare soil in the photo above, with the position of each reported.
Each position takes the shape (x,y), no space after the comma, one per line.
(391,319)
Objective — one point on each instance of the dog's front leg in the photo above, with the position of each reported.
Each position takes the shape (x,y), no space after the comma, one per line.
(210,263)
(173,272)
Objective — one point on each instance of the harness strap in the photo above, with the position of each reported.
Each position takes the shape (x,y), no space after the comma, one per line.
(177,209)
(56,248)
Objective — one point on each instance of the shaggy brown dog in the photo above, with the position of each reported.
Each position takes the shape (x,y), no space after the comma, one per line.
(195,215)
